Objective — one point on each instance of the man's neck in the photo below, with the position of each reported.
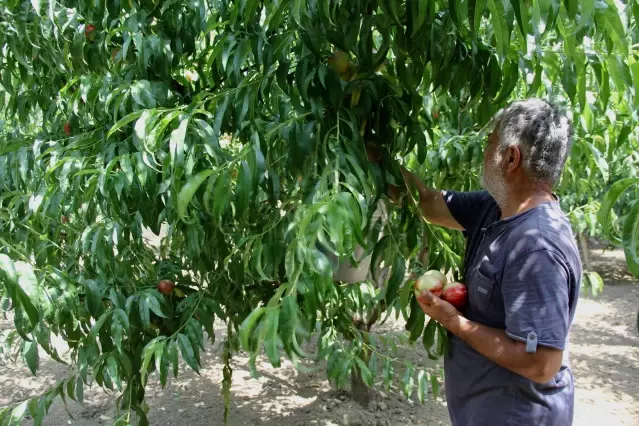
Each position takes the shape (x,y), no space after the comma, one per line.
(521,201)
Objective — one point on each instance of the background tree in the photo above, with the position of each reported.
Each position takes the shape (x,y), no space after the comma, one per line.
(241,127)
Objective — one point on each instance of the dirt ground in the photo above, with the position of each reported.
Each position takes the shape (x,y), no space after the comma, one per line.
(604,355)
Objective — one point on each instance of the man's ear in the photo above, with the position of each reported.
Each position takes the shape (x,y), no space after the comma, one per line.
(513,158)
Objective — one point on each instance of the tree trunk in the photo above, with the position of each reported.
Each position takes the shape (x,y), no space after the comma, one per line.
(361,393)
(583,241)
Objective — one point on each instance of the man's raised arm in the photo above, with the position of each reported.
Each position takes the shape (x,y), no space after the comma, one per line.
(432,203)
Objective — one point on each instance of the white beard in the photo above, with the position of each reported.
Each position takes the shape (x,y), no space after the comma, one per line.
(494,182)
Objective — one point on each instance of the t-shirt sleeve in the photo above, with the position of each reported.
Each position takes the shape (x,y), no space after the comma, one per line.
(535,290)
(464,206)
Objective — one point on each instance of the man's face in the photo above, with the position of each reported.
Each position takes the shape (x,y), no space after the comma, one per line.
(493,177)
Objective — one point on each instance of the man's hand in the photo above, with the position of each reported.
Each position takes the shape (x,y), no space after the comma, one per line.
(436,308)
(493,343)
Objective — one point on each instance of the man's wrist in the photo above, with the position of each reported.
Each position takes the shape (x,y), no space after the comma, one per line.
(456,324)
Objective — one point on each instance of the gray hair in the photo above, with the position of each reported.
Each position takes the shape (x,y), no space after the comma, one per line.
(543,134)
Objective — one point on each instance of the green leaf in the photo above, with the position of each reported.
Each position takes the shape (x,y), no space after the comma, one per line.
(271,339)
(344,367)
(93,298)
(127,168)
(7,266)
(209,192)
(289,321)
(418,326)
(422,14)
(95,329)
(619,72)
(511,76)
(37,410)
(630,236)
(405,295)
(422,385)
(569,80)
(172,355)
(243,189)
(222,194)
(378,250)
(186,349)
(614,26)
(258,249)
(500,27)
(601,162)
(114,371)
(480,7)
(521,14)
(428,338)
(594,281)
(141,414)
(118,325)
(365,373)
(634,69)
(372,365)
(163,366)
(534,87)
(30,354)
(145,313)
(587,11)
(210,138)
(18,413)
(36,6)
(540,11)
(154,305)
(396,279)
(28,307)
(608,202)
(79,390)
(176,143)
(124,121)
(188,191)
(442,340)
(248,325)
(408,381)
(158,354)
(434,384)
(141,125)
(387,373)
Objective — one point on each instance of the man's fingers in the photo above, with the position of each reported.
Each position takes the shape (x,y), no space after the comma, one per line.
(427,297)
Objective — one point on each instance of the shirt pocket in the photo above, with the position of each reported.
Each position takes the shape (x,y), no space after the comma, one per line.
(481,290)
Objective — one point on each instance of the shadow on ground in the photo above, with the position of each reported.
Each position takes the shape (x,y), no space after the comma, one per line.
(279,397)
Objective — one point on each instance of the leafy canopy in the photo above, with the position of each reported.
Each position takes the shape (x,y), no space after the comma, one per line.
(235,128)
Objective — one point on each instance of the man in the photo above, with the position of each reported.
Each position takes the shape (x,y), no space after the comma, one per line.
(507,361)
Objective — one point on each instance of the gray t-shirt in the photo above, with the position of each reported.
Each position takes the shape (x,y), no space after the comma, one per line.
(523,275)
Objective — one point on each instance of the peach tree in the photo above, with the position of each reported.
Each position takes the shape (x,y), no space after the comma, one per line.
(237,131)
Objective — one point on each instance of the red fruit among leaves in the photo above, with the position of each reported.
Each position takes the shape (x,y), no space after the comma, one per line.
(166,287)
(67,128)
(65,220)
(89,32)
(456,294)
